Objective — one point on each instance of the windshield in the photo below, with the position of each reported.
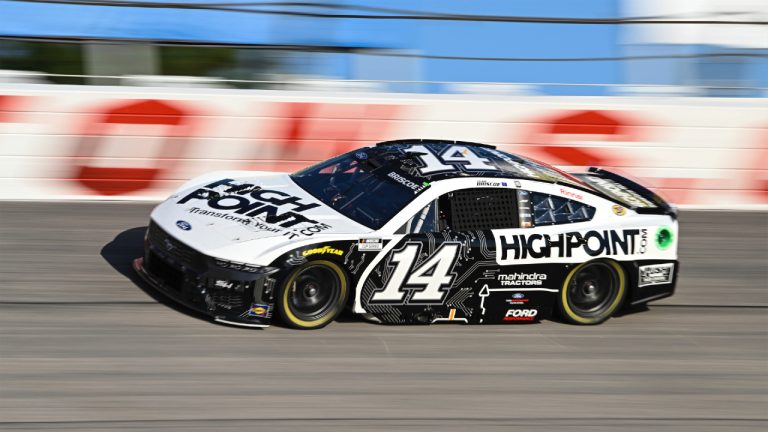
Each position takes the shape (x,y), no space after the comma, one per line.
(356,187)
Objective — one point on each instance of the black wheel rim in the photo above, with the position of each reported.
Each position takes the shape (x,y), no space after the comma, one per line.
(314,292)
(593,289)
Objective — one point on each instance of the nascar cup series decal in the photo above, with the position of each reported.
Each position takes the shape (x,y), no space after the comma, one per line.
(370,245)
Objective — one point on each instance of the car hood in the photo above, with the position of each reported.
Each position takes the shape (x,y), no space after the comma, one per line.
(221,212)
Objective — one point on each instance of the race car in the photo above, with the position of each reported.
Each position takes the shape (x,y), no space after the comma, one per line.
(412,232)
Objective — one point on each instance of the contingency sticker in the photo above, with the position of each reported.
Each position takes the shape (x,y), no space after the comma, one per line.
(370,245)
(656,274)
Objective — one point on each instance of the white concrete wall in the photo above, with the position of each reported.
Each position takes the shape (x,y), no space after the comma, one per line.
(86,142)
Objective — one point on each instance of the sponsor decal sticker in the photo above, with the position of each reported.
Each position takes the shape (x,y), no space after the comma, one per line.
(618,210)
(243,220)
(258,310)
(656,274)
(405,182)
(322,251)
(370,244)
(522,279)
(273,207)
(307,231)
(521,314)
(224,284)
(593,243)
(490,183)
(186,226)
(664,238)
(517,299)
(570,194)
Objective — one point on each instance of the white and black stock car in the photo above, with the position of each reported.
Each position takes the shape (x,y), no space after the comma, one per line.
(412,231)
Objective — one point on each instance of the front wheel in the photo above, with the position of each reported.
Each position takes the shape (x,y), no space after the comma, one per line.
(592,292)
(313,295)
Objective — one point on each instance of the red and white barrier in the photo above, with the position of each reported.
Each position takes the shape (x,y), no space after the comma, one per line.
(81,142)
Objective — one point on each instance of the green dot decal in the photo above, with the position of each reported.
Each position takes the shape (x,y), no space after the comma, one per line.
(664,238)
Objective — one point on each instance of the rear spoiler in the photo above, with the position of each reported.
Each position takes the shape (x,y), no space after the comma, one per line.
(627,192)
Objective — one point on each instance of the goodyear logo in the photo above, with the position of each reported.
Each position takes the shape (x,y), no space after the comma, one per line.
(322,251)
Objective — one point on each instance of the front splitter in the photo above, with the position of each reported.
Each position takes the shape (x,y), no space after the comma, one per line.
(138,266)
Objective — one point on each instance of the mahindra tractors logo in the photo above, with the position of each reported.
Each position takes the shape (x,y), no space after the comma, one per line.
(522,279)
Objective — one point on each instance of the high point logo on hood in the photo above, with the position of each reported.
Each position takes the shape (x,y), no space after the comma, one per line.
(251,200)
(593,243)
(186,226)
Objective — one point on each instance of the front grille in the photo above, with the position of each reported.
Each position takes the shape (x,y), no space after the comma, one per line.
(229,301)
(167,274)
(194,279)
(173,248)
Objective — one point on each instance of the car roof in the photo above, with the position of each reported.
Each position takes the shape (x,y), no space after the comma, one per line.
(504,164)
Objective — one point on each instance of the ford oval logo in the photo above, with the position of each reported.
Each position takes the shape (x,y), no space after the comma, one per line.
(518,295)
(184,225)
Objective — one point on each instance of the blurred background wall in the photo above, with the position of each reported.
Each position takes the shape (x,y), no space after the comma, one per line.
(127,98)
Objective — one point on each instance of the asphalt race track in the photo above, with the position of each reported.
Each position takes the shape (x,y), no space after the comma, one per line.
(83,347)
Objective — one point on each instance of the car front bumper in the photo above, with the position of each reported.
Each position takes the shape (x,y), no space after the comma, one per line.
(226,295)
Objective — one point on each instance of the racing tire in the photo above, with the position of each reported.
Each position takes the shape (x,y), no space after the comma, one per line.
(313,295)
(592,292)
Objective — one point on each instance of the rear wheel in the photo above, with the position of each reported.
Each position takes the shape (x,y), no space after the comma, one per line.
(313,295)
(592,292)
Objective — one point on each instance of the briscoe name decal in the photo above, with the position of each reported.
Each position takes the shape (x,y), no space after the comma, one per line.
(656,274)
(593,243)
(405,182)
(253,201)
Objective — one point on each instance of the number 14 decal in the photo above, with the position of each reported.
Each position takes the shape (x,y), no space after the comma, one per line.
(455,154)
(429,282)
